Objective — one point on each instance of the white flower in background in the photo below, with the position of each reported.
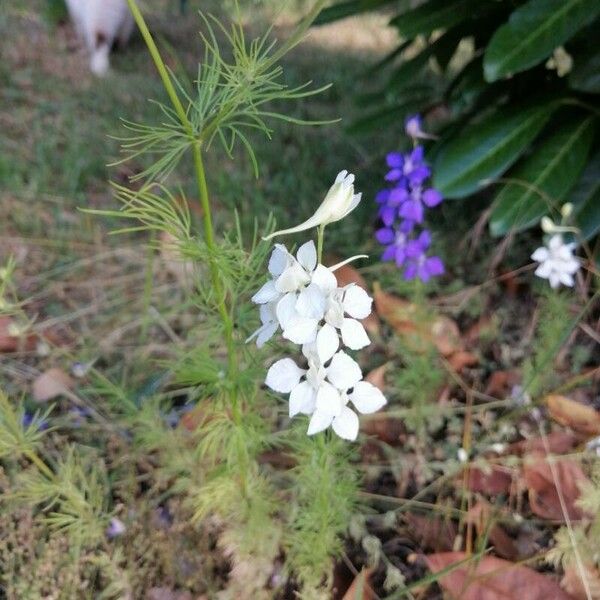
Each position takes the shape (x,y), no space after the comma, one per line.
(339,202)
(324,392)
(557,263)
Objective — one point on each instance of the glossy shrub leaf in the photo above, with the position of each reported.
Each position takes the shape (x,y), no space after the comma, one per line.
(482,151)
(347,9)
(541,182)
(533,31)
(429,16)
(585,76)
(586,197)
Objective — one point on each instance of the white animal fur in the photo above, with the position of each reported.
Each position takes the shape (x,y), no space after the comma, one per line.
(100,23)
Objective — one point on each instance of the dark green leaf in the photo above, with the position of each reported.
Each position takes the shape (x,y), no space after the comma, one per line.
(585,76)
(540,183)
(405,74)
(483,150)
(347,9)
(429,16)
(533,31)
(586,198)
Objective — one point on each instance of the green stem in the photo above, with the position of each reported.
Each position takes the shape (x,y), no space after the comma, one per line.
(320,237)
(201,182)
(40,464)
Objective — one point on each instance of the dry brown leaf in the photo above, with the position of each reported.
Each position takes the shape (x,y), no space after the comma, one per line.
(377,377)
(12,343)
(446,336)
(345,276)
(543,495)
(461,359)
(494,480)
(432,533)
(558,442)
(572,583)
(501,383)
(579,417)
(491,578)
(405,319)
(385,428)
(50,384)
(480,515)
(360,588)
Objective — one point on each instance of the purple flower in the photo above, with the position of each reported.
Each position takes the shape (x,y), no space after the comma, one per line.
(115,528)
(413,127)
(29,419)
(413,209)
(402,208)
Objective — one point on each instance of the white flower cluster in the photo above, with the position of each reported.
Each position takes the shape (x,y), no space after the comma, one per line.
(557,263)
(303,298)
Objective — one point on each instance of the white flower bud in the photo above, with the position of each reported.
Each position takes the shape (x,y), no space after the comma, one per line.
(566,210)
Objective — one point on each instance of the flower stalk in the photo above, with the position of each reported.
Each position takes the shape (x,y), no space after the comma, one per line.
(200,174)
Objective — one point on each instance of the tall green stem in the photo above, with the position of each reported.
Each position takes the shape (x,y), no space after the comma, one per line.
(209,237)
(320,237)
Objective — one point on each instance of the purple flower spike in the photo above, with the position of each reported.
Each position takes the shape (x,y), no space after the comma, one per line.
(402,210)
(431,197)
(395,160)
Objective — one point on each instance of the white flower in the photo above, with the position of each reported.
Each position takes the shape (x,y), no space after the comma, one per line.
(339,201)
(557,263)
(324,392)
(301,295)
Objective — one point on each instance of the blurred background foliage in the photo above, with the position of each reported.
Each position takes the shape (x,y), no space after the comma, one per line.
(511,88)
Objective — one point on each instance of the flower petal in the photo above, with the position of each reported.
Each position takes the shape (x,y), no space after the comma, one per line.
(541,254)
(302,399)
(284,375)
(328,400)
(324,278)
(286,309)
(307,256)
(265,333)
(346,424)
(292,279)
(328,342)
(343,371)
(311,302)
(267,293)
(279,260)
(301,330)
(319,422)
(357,303)
(367,398)
(354,335)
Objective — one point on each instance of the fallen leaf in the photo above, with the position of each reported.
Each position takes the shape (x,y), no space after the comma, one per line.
(432,533)
(543,495)
(377,376)
(461,359)
(481,516)
(10,342)
(406,319)
(50,384)
(446,336)
(558,442)
(491,578)
(572,583)
(492,481)
(360,588)
(385,428)
(577,416)
(501,383)
(345,276)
